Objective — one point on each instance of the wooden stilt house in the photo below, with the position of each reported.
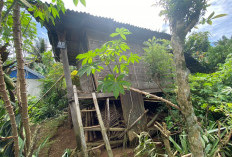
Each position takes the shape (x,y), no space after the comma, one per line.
(82,32)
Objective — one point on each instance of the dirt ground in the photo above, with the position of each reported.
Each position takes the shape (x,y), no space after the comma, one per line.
(64,138)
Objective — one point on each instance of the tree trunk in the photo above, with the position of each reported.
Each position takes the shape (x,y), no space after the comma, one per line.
(183,97)
(20,69)
(9,109)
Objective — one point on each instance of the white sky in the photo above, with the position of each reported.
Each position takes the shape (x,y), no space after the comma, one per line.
(136,12)
(142,13)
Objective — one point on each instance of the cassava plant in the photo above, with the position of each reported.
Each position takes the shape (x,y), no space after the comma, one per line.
(113,55)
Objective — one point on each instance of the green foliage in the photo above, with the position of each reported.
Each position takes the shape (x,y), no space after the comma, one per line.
(67,153)
(113,54)
(188,8)
(146,146)
(214,141)
(217,54)
(182,15)
(55,101)
(6,146)
(213,91)
(29,30)
(110,84)
(43,62)
(42,145)
(182,146)
(209,19)
(47,12)
(158,57)
(197,44)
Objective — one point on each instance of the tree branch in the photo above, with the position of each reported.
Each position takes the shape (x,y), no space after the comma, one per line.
(154,96)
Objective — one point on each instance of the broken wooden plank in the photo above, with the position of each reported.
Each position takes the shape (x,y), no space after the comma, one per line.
(103,129)
(98,95)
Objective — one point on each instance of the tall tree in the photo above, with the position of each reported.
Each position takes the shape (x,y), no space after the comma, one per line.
(6,99)
(17,34)
(182,17)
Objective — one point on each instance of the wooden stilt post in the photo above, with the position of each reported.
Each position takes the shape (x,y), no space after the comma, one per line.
(70,94)
(103,129)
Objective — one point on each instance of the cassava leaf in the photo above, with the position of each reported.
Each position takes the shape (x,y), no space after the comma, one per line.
(75,2)
(220,15)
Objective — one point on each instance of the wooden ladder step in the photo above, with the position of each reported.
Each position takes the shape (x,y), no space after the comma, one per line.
(88,110)
(98,128)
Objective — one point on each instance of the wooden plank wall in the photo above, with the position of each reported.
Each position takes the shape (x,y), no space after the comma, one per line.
(138,73)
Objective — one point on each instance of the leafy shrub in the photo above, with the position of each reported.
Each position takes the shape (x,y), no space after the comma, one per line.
(146,146)
(213,91)
(217,55)
(158,57)
(55,100)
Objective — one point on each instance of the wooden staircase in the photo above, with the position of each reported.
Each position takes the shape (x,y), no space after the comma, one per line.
(99,127)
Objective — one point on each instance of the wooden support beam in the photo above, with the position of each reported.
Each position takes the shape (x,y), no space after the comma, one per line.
(79,119)
(99,129)
(88,110)
(103,129)
(99,95)
(82,95)
(93,144)
(70,94)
